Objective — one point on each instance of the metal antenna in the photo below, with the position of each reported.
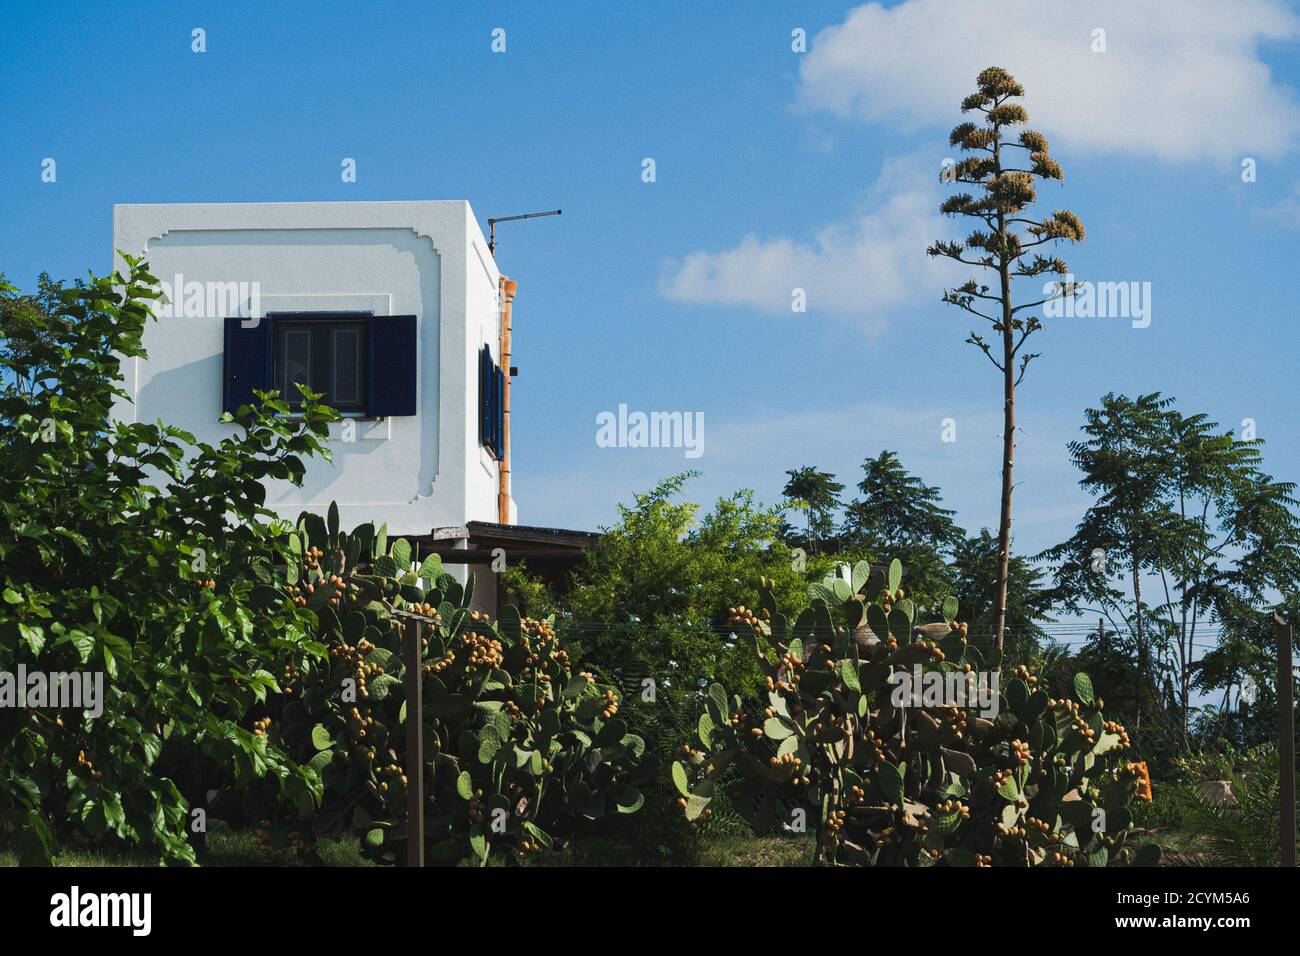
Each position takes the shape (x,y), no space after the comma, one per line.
(492,225)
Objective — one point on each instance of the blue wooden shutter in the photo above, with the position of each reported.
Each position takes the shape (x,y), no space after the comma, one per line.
(246,362)
(391,372)
(491,403)
(484,406)
(499,414)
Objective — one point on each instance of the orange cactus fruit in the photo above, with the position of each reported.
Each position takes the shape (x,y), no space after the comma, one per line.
(1144,782)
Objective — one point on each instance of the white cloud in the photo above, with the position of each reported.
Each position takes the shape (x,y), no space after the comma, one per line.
(857,270)
(1180,79)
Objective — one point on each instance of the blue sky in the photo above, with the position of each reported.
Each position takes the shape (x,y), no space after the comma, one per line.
(775,169)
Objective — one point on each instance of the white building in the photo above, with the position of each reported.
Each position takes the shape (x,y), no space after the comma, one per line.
(393,309)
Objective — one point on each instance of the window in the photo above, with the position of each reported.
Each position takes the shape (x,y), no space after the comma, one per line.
(364,364)
(491,403)
(326,355)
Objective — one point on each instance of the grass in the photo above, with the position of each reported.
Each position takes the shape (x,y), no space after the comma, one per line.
(224,848)
(227,848)
(757,851)
(230,849)
(721,850)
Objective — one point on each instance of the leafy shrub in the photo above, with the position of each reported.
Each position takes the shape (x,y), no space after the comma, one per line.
(521,749)
(1240,828)
(1162,812)
(650,603)
(124,551)
(1224,761)
(1045,782)
(651,598)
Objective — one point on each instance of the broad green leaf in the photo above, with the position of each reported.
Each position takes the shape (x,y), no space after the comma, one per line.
(34,635)
(1083,689)
(680,779)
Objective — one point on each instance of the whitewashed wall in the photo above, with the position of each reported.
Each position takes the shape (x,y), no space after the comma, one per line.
(428,259)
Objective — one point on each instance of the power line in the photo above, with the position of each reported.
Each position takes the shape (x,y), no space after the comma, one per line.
(1059,635)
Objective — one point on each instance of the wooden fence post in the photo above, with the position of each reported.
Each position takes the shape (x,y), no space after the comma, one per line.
(413,660)
(1286,736)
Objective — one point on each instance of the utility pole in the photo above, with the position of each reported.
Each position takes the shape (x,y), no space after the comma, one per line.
(1285,736)
(413,685)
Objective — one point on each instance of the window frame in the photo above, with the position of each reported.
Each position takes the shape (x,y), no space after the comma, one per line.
(323,327)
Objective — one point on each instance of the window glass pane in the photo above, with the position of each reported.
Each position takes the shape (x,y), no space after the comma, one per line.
(295,363)
(345,389)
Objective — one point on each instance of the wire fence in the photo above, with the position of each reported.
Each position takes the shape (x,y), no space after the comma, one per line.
(1161,734)
(1067,635)
(1189,754)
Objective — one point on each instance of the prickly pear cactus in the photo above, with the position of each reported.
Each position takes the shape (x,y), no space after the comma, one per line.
(521,751)
(909,777)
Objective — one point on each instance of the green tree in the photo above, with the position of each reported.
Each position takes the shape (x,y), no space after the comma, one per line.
(23,316)
(896,510)
(652,603)
(975,571)
(896,515)
(1130,531)
(1003,242)
(816,494)
(132,550)
(1245,656)
(653,597)
(1181,503)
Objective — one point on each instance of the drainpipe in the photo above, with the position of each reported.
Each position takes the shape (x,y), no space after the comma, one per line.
(508,287)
